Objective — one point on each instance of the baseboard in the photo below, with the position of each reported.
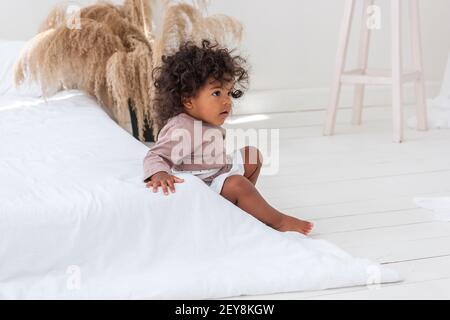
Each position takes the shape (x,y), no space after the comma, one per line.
(291,100)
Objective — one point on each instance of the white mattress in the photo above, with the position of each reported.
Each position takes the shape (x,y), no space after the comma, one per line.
(77,222)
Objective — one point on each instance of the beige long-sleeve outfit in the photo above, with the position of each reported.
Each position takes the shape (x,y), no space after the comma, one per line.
(187,145)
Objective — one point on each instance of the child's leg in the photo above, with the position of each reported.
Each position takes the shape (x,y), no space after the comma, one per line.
(242,192)
(252,163)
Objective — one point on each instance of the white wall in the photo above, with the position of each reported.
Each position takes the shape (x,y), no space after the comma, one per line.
(291,44)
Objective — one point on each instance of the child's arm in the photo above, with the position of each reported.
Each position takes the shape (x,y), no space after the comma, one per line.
(158,164)
(160,159)
(157,160)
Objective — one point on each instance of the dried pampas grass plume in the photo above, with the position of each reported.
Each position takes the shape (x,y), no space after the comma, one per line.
(109,51)
(139,13)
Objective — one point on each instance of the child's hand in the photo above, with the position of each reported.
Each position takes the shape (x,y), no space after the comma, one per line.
(164,180)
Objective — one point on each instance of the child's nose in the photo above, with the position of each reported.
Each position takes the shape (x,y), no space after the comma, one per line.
(227,101)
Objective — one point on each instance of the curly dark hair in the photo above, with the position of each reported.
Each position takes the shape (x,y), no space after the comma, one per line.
(182,74)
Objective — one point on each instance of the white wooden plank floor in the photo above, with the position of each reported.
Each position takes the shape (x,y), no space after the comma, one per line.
(358,189)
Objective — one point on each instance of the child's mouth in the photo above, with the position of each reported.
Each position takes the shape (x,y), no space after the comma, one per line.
(224,114)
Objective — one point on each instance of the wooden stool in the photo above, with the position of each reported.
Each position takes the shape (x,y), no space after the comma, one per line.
(395,77)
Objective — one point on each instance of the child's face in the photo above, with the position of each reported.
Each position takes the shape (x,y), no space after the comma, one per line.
(212,103)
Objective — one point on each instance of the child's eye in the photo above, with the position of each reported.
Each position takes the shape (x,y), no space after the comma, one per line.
(216,93)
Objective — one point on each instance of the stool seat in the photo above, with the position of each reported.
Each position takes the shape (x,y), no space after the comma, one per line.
(394,77)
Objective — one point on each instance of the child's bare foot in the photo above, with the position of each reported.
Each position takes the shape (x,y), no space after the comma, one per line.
(289,223)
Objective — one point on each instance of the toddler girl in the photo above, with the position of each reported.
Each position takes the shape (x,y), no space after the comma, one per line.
(194,91)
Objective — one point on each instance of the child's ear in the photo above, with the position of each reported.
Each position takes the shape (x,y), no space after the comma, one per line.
(187,102)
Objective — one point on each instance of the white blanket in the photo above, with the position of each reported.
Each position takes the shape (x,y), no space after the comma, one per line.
(77,222)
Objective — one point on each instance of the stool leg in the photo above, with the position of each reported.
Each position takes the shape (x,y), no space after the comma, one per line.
(340,64)
(418,65)
(362,64)
(396,58)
